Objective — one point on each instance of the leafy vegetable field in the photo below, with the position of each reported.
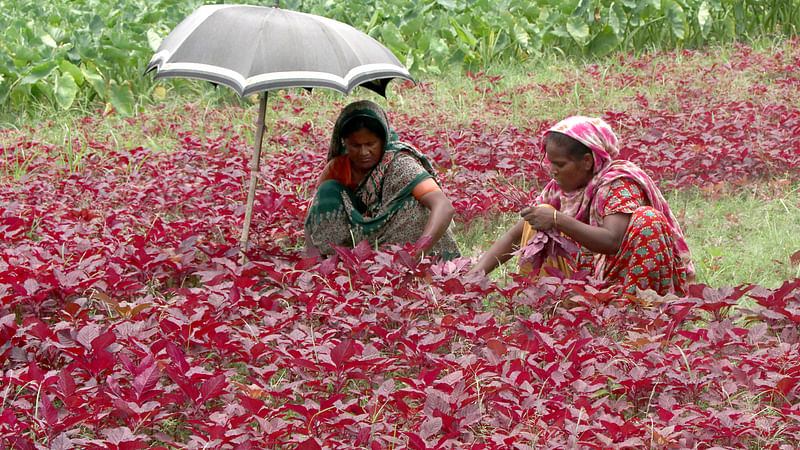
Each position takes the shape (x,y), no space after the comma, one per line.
(86,51)
(126,320)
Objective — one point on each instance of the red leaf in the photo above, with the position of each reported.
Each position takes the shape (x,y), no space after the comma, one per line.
(212,387)
(309,444)
(146,380)
(342,352)
(497,347)
(47,410)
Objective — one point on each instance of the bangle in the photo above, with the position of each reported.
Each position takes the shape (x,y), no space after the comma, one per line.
(555,223)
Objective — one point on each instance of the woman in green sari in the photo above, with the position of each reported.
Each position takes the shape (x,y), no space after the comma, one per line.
(378,189)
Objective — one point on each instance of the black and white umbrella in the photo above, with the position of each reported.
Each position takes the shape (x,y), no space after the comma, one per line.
(256,49)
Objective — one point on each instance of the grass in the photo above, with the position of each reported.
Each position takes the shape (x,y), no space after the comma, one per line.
(744,236)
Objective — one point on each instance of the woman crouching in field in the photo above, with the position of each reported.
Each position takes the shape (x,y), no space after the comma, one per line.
(612,209)
(377,188)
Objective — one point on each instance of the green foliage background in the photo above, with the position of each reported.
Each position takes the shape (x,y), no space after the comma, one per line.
(59,54)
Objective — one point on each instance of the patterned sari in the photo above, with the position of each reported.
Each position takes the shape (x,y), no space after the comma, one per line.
(653,254)
(381,209)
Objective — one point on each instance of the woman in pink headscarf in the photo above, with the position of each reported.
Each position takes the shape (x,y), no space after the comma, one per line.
(624,228)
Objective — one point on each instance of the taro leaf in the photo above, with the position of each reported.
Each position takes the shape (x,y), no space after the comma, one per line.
(38,73)
(96,80)
(676,18)
(121,99)
(704,19)
(66,90)
(579,30)
(67,67)
(617,18)
(463,34)
(153,39)
(393,38)
(605,42)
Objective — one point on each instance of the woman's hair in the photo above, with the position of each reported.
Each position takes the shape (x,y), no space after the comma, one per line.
(363,122)
(575,147)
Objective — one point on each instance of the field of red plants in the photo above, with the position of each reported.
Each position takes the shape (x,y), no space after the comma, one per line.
(127,321)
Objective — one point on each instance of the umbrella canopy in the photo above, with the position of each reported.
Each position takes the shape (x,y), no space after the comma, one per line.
(255,48)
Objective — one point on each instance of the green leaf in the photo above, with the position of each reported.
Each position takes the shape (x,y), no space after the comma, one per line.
(121,100)
(463,34)
(521,37)
(578,29)
(676,18)
(414,26)
(704,19)
(66,90)
(38,73)
(392,38)
(617,18)
(449,5)
(439,49)
(48,40)
(153,39)
(605,42)
(584,10)
(96,80)
(72,69)
(23,55)
(96,25)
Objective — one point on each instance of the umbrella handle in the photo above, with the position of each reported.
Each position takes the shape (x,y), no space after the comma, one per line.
(254,168)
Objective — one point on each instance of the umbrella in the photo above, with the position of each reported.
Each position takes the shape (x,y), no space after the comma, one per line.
(256,49)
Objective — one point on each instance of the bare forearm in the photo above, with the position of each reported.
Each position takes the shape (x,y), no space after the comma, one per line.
(442,212)
(604,239)
(501,250)
(595,239)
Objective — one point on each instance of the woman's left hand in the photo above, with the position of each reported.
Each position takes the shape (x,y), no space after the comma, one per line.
(540,217)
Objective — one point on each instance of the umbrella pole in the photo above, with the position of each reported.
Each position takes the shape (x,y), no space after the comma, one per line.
(254,167)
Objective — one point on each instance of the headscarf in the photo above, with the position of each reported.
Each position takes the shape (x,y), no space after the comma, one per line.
(392,147)
(587,204)
(362,108)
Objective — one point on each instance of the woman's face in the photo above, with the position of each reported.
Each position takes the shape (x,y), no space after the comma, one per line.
(365,149)
(570,174)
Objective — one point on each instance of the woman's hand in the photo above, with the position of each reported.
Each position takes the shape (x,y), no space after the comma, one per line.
(540,217)
(501,250)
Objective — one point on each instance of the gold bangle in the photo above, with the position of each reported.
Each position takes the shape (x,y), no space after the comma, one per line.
(555,224)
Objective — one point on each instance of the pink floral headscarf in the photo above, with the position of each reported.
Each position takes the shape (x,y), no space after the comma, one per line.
(587,203)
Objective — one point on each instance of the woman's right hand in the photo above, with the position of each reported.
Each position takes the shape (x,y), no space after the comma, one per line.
(539,217)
